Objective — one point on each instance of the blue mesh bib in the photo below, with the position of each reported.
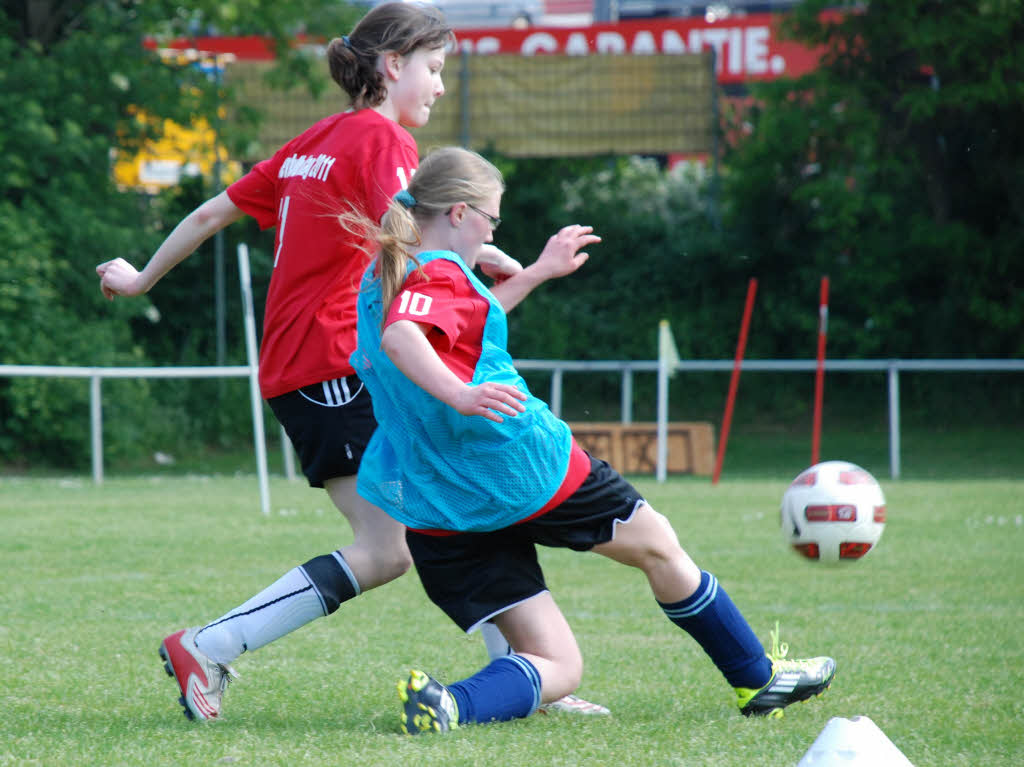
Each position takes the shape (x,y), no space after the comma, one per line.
(430,467)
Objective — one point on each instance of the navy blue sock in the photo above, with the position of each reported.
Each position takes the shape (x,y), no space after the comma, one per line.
(710,617)
(508,688)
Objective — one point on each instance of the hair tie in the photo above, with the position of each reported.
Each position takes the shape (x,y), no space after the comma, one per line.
(406,199)
(346,42)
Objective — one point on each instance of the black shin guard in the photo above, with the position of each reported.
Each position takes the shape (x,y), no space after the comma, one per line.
(333,580)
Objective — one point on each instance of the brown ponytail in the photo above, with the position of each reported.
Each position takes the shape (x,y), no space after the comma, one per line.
(398,27)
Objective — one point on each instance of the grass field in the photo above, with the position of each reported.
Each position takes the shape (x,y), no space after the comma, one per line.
(926,631)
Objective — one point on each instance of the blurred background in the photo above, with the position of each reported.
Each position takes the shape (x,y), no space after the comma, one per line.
(877,144)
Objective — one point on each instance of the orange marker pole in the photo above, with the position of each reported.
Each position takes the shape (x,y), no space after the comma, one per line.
(734,381)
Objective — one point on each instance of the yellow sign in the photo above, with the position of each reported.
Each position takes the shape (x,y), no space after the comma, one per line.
(179,152)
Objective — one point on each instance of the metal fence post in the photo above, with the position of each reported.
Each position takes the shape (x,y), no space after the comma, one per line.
(96,427)
(661,467)
(258,432)
(627,395)
(894,420)
(556,392)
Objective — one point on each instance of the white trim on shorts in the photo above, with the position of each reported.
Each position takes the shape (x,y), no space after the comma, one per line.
(506,608)
(617,522)
(336,393)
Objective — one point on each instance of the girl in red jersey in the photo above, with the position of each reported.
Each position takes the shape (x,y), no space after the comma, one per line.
(390,67)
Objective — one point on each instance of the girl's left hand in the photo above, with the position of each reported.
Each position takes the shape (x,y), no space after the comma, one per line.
(486,398)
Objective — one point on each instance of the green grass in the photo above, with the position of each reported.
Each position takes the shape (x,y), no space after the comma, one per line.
(756,450)
(926,631)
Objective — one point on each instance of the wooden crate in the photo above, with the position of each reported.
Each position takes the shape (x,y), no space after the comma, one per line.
(632,448)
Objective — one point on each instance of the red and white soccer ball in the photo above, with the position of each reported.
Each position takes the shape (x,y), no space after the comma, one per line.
(833,512)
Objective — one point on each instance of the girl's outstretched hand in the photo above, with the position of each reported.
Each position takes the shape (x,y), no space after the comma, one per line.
(118,278)
(563,253)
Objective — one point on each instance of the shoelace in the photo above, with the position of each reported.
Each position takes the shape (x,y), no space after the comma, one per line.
(779,649)
(228,675)
(779,652)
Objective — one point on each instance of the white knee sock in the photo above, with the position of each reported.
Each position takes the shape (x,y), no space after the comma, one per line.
(497,645)
(289,603)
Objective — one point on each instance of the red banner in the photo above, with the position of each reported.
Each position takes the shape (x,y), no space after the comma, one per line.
(747,48)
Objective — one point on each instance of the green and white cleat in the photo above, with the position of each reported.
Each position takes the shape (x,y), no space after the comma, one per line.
(792,681)
(428,706)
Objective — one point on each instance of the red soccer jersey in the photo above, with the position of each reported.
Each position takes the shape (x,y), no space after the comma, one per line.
(354,159)
(449,302)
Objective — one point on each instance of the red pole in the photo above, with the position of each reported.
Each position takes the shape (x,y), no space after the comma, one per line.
(819,375)
(734,381)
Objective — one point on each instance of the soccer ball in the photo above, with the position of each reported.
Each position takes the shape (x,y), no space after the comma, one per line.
(832,512)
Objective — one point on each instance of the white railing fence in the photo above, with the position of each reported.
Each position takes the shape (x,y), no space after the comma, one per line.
(892,368)
(663,367)
(557,368)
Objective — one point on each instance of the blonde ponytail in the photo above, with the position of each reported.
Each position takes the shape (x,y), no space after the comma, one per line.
(446,177)
(399,238)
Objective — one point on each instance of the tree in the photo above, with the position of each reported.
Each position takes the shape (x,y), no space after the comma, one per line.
(74,75)
(896,168)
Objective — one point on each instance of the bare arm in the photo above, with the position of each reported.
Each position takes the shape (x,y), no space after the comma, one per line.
(496,263)
(119,278)
(561,256)
(405,342)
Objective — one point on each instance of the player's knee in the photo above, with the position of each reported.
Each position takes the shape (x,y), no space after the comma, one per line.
(568,673)
(393,562)
(656,542)
(660,522)
(384,550)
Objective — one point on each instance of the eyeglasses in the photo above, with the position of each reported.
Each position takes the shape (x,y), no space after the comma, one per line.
(495,221)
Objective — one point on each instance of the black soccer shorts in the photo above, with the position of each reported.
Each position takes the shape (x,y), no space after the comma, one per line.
(330,424)
(474,576)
